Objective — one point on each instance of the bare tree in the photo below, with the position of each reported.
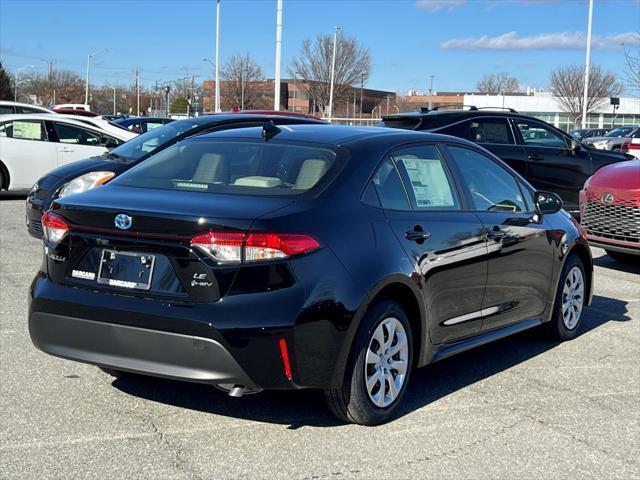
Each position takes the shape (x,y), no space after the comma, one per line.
(6,92)
(567,85)
(632,61)
(314,66)
(63,85)
(243,83)
(498,84)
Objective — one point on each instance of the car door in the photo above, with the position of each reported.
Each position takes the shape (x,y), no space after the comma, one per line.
(496,135)
(76,143)
(520,261)
(551,163)
(26,151)
(445,242)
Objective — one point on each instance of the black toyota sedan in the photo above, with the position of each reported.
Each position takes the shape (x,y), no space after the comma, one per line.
(86,174)
(305,256)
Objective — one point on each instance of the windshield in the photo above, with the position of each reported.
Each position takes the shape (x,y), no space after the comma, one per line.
(231,166)
(139,146)
(619,132)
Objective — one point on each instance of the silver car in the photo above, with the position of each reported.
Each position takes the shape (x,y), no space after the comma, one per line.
(615,139)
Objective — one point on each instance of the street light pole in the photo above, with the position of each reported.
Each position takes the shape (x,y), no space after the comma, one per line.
(431,92)
(276,94)
(242,86)
(114,100)
(86,88)
(217,65)
(333,70)
(15,93)
(585,96)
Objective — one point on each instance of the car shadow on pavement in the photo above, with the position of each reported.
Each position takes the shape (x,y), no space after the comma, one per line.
(429,384)
(632,266)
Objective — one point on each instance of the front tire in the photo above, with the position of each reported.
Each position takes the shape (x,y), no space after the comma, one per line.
(571,298)
(378,369)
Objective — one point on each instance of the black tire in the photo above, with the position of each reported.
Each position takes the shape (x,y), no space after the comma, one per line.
(351,403)
(623,257)
(557,328)
(2,179)
(117,373)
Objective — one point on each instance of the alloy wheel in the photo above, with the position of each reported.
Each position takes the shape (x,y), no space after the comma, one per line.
(572,298)
(387,362)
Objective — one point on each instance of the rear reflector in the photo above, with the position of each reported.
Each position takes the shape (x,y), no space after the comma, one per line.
(54,227)
(236,247)
(284,353)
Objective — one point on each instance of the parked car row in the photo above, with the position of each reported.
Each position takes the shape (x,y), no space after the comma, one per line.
(263,251)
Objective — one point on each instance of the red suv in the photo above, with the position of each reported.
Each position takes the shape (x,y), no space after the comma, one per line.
(610,209)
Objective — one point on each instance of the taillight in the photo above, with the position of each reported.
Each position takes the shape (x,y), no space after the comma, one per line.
(633,146)
(236,247)
(54,227)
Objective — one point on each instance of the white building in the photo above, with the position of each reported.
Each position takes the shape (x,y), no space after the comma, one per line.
(544,106)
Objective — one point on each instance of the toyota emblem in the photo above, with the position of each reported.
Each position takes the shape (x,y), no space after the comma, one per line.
(607,198)
(123,221)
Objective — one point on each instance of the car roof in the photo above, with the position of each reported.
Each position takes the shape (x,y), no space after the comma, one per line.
(48,116)
(19,104)
(130,120)
(330,134)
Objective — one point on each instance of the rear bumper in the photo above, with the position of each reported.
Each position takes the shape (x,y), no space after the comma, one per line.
(122,347)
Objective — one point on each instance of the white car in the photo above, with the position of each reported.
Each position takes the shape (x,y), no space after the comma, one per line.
(9,108)
(102,124)
(74,106)
(31,145)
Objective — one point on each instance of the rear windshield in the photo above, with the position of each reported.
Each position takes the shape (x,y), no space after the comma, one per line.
(236,167)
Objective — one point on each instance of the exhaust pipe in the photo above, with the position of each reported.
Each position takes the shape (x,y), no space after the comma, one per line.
(237,391)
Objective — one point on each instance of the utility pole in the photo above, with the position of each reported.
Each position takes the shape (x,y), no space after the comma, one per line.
(138,91)
(217,101)
(333,70)
(431,92)
(276,93)
(361,92)
(354,104)
(585,97)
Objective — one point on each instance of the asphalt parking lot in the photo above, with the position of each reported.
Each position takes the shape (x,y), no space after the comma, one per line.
(520,408)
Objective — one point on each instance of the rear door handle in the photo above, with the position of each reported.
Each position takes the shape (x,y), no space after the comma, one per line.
(417,235)
(65,149)
(535,158)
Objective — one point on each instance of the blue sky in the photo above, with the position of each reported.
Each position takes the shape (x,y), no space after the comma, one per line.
(458,41)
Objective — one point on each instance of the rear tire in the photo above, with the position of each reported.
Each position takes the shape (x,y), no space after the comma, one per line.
(623,257)
(2,179)
(378,369)
(570,301)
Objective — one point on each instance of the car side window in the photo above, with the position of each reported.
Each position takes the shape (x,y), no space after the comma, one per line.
(152,125)
(425,175)
(24,130)
(492,187)
(73,134)
(540,135)
(6,110)
(482,130)
(388,186)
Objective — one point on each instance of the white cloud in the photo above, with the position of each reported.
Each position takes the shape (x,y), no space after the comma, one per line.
(544,41)
(435,5)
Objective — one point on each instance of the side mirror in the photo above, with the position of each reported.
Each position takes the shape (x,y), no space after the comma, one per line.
(575,145)
(108,143)
(547,203)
